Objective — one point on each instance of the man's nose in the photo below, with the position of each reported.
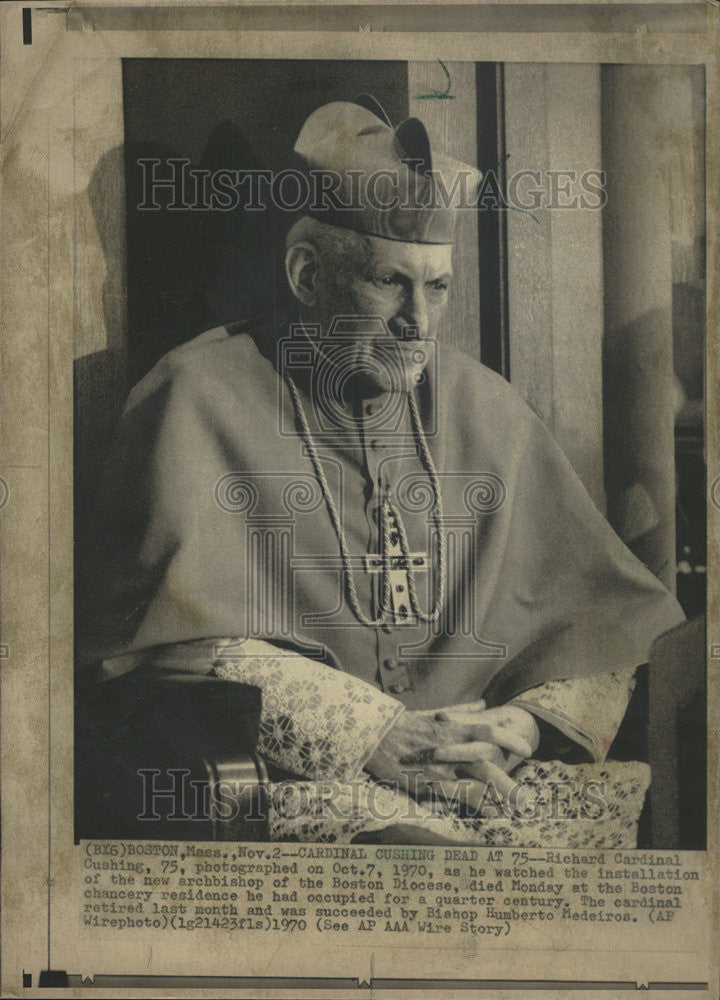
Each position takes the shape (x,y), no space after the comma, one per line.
(415,313)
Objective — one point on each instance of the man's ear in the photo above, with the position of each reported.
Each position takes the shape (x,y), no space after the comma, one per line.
(301,265)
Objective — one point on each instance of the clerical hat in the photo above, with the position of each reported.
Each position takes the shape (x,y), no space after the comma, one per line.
(383,181)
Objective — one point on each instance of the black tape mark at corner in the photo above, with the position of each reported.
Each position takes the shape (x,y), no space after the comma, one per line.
(53,977)
(27,25)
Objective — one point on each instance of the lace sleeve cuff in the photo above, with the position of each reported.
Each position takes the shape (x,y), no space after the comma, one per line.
(316,721)
(588,710)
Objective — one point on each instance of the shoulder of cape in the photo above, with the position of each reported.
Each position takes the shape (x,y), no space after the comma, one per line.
(470,387)
(467,387)
(211,352)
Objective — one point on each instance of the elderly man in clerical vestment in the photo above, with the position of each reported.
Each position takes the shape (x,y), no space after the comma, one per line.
(378,533)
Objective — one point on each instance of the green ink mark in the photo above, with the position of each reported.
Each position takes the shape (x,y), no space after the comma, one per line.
(440,95)
(514,208)
(525,211)
(501,200)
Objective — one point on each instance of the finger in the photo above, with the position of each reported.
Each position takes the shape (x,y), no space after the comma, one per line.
(419,757)
(501,736)
(461,752)
(493,776)
(489,812)
(511,762)
(420,781)
(447,784)
(497,736)
(435,774)
(469,707)
(440,772)
(463,791)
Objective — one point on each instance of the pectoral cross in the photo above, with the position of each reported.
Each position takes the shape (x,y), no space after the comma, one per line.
(397,566)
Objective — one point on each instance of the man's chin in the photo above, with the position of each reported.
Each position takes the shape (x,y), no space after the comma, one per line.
(410,358)
(376,380)
(378,364)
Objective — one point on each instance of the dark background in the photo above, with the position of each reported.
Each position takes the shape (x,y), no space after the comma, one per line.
(189,271)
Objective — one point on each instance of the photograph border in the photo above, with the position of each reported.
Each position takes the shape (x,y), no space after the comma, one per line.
(40,90)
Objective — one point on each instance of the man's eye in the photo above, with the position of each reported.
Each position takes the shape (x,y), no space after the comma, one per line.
(439,286)
(388,279)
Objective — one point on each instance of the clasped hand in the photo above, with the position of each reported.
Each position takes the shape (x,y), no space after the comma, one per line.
(462,752)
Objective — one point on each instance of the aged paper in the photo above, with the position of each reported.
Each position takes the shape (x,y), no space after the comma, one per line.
(246,626)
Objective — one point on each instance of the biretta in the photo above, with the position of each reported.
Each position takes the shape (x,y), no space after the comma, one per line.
(383,181)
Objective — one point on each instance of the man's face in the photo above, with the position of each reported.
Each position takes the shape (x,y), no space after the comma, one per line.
(404,284)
